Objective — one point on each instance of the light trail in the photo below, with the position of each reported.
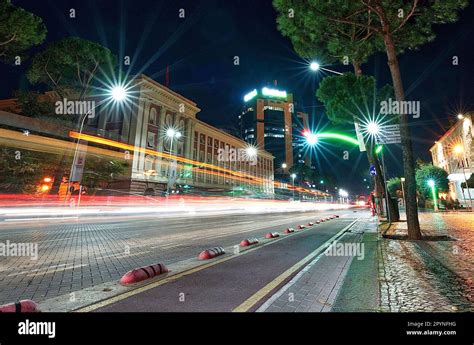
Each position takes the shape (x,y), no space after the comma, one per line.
(182,207)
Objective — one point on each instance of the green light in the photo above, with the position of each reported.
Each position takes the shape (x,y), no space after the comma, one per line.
(338,136)
(378,149)
(273,92)
(432,184)
(250,95)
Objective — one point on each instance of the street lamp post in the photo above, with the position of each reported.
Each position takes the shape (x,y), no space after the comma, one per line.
(432,184)
(314,66)
(171,134)
(293,176)
(117,93)
(374,130)
(402,180)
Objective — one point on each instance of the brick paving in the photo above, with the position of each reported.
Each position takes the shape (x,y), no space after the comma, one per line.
(425,275)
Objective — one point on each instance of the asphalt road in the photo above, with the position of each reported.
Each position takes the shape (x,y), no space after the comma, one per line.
(77,254)
(225,286)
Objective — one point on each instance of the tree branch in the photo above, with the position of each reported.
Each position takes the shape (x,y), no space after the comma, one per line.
(344,21)
(415,4)
(8,41)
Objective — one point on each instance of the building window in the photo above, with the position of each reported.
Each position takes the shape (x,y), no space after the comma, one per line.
(150,142)
(152,119)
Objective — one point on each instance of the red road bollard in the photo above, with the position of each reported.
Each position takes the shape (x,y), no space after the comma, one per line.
(23,306)
(310,223)
(288,230)
(317,222)
(248,242)
(138,274)
(272,235)
(211,253)
(322,220)
(336,216)
(301,226)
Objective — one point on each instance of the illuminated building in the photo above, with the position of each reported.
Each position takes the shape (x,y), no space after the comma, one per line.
(454,152)
(266,122)
(137,131)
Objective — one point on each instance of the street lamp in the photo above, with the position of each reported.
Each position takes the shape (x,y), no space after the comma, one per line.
(293,176)
(251,151)
(432,184)
(172,134)
(402,180)
(315,66)
(117,93)
(283,166)
(460,116)
(311,138)
(373,128)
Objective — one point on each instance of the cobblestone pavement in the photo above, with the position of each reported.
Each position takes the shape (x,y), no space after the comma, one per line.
(315,288)
(431,276)
(81,254)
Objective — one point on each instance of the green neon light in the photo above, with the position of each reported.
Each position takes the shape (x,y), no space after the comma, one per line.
(338,136)
(435,201)
(378,149)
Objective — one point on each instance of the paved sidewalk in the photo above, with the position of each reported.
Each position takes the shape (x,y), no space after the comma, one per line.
(396,275)
(429,275)
(316,287)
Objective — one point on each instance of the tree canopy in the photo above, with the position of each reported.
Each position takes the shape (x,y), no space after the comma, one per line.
(70,65)
(19,31)
(349,97)
(394,185)
(314,35)
(428,172)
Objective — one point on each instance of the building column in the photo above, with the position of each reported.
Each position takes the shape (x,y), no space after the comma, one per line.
(160,145)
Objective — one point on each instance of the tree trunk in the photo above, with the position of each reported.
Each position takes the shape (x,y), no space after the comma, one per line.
(379,185)
(357,68)
(414,232)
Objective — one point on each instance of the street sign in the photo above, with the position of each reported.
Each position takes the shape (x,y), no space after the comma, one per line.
(391,127)
(389,135)
(372,170)
(360,137)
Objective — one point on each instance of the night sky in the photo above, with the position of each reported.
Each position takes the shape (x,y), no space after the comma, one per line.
(200,51)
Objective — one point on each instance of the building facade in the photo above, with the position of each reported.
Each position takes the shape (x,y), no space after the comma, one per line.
(454,152)
(202,158)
